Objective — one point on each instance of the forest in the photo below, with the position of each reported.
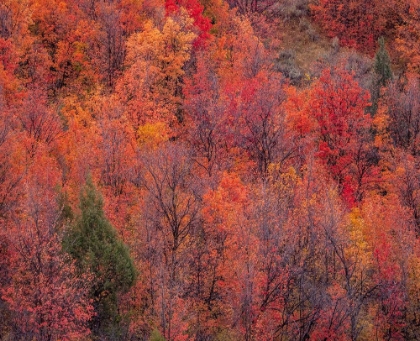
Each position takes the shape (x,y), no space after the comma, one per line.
(209,170)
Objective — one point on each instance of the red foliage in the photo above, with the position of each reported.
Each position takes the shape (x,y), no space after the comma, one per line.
(48,299)
(229,185)
(356,23)
(195,11)
(338,104)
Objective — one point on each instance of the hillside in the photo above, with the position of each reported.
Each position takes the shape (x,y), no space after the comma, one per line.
(208,170)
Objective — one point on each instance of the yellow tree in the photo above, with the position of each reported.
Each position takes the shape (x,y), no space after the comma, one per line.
(152,84)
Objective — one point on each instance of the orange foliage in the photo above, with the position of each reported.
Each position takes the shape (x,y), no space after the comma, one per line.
(254,210)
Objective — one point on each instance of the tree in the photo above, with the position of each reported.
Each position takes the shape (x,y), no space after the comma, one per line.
(252,6)
(356,23)
(230,286)
(261,123)
(11,163)
(93,243)
(338,104)
(390,232)
(39,122)
(151,86)
(116,148)
(112,40)
(170,216)
(205,107)
(402,109)
(405,180)
(408,38)
(195,11)
(383,64)
(47,297)
(382,75)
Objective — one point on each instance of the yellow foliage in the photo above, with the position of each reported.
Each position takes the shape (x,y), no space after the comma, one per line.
(359,247)
(152,134)
(155,61)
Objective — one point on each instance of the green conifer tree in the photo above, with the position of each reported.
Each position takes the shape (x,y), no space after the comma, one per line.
(93,242)
(382,75)
(382,64)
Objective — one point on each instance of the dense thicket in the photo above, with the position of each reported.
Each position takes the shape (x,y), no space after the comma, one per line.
(210,171)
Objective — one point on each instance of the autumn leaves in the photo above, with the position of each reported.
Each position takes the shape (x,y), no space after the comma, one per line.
(236,206)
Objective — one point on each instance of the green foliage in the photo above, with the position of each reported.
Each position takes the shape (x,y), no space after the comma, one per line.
(383,64)
(156,336)
(382,75)
(225,335)
(94,244)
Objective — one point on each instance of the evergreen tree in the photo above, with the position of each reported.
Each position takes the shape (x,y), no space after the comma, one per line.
(382,64)
(94,244)
(383,74)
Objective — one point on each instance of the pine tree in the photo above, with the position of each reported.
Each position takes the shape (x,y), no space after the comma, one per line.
(383,74)
(382,64)
(94,244)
